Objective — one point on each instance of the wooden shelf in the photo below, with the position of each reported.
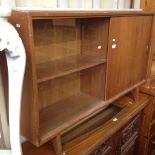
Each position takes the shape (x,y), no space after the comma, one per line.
(67,65)
(64,113)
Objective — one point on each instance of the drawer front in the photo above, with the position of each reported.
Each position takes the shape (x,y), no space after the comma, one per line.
(104,149)
(131,149)
(130,133)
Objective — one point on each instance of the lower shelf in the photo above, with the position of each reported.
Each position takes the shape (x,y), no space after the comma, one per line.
(64,113)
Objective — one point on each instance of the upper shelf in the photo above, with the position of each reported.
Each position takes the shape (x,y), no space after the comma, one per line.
(67,65)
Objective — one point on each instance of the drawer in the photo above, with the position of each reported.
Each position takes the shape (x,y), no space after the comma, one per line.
(104,149)
(130,132)
(130,149)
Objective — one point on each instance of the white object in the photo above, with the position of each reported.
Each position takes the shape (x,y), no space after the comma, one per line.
(20,3)
(62,4)
(6,7)
(16,59)
(7,3)
(109,4)
(114,45)
(99,47)
(85,4)
(75,3)
(130,102)
(37,3)
(3,116)
(96,4)
(115,120)
(137,4)
(124,4)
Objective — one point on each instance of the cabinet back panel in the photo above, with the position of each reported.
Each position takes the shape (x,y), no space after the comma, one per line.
(93,81)
(52,91)
(94,35)
(55,39)
(59,38)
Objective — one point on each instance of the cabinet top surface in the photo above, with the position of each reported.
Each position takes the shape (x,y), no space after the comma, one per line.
(80,13)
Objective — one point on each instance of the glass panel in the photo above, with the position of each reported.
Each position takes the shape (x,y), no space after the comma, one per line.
(59,38)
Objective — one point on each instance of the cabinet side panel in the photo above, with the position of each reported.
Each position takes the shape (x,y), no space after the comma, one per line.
(29,109)
(144,129)
(150,66)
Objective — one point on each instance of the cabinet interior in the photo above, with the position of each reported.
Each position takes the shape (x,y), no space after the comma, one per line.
(70,57)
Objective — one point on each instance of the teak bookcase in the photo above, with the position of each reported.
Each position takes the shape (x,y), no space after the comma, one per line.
(78,63)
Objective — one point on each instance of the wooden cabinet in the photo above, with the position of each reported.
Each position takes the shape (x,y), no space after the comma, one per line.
(149,85)
(123,142)
(108,136)
(77,64)
(105,149)
(146,144)
(151,148)
(127,53)
(129,137)
(146,140)
(130,150)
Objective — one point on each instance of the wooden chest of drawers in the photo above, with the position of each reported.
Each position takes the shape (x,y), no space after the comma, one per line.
(117,136)
(147,137)
(123,142)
